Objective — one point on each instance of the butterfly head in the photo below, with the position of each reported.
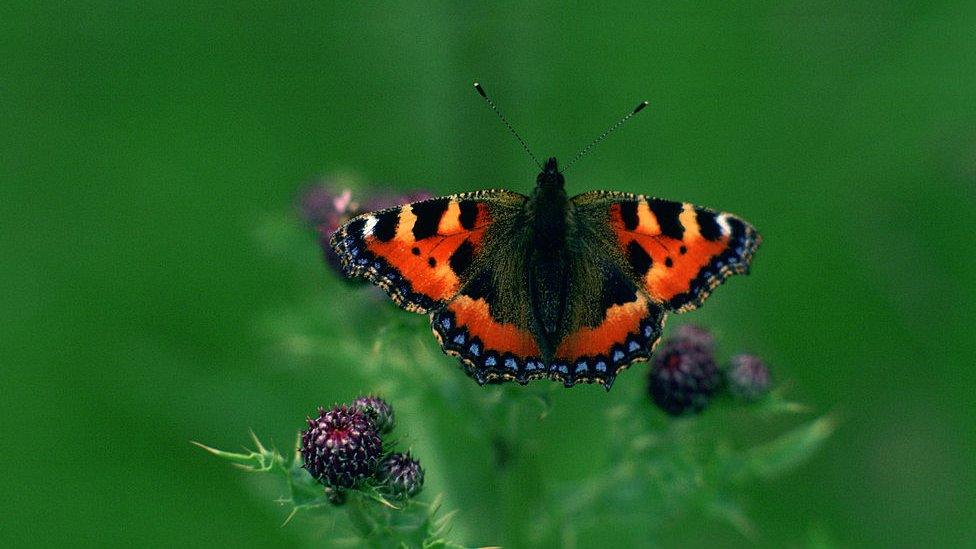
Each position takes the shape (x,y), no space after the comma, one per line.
(550,176)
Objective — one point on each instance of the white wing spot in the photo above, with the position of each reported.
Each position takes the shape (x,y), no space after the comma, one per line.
(370,224)
(723,221)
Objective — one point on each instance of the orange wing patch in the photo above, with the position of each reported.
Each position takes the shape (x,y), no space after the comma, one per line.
(419,253)
(628,334)
(680,252)
(490,350)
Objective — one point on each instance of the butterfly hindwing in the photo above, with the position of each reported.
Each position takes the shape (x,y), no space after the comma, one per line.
(676,251)
(487,326)
(422,253)
(612,323)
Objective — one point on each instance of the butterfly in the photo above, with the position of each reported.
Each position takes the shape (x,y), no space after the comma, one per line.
(573,289)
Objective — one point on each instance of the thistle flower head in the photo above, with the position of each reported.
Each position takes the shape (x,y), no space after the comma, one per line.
(341,447)
(689,334)
(325,206)
(683,374)
(747,377)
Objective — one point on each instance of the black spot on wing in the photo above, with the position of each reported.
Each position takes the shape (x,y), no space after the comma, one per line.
(639,259)
(480,287)
(667,213)
(707,224)
(628,212)
(469,214)
(386,225)
(461,259)
(429,215)
(616,290)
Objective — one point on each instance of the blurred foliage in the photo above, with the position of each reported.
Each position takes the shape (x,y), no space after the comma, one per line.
(145,144)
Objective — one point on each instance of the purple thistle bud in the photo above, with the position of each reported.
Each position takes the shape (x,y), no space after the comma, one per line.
(378,410)
(695,335)
(683,376)
(381,200)
(341,447)
(402,475)
(325,206)
(747,377)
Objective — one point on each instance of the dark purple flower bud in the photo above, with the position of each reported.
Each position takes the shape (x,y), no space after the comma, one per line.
(325,206)
(683,377)
(341,447)
(381,200)
(378,410)
(747,377)
(694,335)
(402,475)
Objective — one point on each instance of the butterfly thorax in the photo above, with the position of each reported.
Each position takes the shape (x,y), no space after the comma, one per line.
(549,207)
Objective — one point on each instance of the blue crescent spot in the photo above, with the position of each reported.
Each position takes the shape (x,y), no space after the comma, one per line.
(633,346)
(580,367)
(601,366)
(446,323)
(459,339)
(511,364)
(475,349)
(490,361)
(618,355)
(647,331)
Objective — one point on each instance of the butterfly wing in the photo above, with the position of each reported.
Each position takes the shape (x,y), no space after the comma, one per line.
(432,257)
(610,323)
(488,326)
(423,253)
(676,252)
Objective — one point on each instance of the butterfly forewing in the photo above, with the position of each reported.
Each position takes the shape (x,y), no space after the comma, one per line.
(423,253)
(677,252)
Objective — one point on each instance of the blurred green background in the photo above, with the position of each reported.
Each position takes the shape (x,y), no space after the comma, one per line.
(144,146)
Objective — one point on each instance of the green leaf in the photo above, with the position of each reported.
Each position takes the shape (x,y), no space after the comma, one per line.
(262,460)
(786,451)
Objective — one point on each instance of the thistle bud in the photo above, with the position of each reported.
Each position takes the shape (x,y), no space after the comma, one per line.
(341,447)
(402,475)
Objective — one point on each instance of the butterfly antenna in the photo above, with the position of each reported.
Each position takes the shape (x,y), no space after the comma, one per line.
(604,135)
(481,91)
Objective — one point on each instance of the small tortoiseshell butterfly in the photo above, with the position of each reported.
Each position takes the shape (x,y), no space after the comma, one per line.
(547,286)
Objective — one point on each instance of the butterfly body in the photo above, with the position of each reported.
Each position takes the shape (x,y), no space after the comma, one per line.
(546,286)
